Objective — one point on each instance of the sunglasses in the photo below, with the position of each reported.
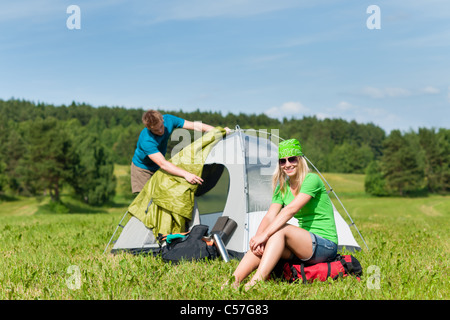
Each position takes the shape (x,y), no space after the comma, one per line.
(292,160)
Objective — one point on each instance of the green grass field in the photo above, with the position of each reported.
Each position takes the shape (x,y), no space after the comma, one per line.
(58,256)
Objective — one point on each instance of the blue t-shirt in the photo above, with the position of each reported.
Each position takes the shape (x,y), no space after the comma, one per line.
(149,143)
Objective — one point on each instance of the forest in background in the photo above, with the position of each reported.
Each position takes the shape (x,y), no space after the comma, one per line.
(45,148)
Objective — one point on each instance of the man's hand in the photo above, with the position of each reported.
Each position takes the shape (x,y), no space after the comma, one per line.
(192,178)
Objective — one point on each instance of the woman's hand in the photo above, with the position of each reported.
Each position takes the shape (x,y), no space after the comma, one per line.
(259,251)
(258,241)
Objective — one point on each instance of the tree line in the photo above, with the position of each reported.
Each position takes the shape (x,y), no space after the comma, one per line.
(45,148)
(414,163)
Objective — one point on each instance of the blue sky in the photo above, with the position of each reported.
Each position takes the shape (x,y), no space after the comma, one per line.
(284,58)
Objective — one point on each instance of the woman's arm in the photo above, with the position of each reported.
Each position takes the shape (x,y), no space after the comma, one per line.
(280,220)
(274,209)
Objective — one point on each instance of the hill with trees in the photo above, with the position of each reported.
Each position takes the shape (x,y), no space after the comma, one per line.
(44,148)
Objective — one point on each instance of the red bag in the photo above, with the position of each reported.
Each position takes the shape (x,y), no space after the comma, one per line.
(343,266)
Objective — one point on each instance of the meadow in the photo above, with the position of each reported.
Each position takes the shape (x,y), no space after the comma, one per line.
(59,256)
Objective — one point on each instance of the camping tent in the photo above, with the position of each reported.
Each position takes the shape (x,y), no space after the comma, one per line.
(249,157)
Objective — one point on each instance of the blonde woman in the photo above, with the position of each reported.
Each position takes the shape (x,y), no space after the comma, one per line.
(300,194)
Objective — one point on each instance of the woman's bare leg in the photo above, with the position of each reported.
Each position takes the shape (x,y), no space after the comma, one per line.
(289,239)
(247,265)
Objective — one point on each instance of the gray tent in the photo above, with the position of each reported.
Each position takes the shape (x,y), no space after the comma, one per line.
(249,158)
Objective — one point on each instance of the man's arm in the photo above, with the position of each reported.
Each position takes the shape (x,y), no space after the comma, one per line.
(169,167)
(197,126)
(200,126)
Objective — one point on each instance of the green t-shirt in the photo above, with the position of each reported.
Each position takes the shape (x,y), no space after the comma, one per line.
(317,215)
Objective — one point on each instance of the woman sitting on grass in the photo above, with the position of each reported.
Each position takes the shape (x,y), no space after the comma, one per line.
(298,194)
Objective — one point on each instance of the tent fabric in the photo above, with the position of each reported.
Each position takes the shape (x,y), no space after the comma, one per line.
(134,236)
(345,236)
(167,201)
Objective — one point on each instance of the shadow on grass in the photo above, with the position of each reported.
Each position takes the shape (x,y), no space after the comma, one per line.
(69,208)
(7,198)
(75,208)
(68,204)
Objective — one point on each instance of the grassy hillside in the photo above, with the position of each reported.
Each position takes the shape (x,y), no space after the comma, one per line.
(60,255)
(346,184)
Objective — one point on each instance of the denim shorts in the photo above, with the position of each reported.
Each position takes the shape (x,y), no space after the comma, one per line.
(323,249)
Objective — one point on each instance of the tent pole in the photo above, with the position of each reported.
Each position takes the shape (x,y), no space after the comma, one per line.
(115,232)
(241,138)
(353,224)
(339,200)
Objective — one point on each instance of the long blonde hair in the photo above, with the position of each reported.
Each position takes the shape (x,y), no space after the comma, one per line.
(280,178)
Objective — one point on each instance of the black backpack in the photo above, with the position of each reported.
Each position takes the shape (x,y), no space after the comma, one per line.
(191,247)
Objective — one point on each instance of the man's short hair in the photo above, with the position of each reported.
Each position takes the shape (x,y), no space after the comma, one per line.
(151,118)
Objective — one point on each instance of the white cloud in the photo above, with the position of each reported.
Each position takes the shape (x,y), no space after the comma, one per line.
(448,96)
(323,116)
(45,10)
(288,109)
(372,92)
(163,10)
(377,93)
(342,110)
(349,112)
(436,39)
(431,90)
(395,92)
(345,106)
(30,10)
(345,109)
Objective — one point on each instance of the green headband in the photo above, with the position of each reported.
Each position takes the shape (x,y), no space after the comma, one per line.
(289,148)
